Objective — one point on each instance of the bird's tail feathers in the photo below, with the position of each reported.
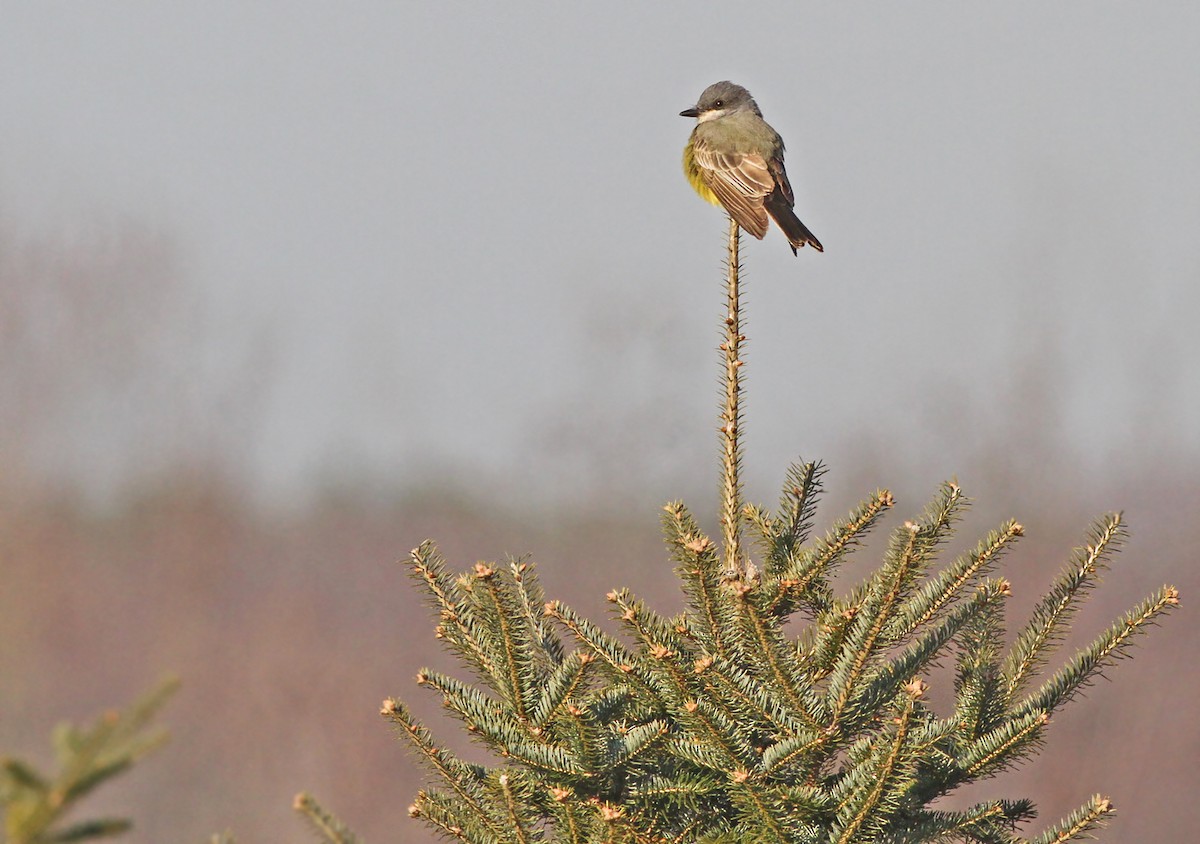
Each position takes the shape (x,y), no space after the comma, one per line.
(797,233)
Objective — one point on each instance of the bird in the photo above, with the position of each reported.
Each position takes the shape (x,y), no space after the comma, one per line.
(735,159)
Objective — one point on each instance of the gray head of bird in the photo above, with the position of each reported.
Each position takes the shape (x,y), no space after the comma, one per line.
(720,99)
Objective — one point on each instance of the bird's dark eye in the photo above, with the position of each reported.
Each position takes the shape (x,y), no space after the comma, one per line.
(719,104)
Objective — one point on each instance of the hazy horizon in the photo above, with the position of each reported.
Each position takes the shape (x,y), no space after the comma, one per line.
(409,243)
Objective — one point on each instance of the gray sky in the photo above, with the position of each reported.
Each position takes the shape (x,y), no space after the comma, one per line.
(438,238)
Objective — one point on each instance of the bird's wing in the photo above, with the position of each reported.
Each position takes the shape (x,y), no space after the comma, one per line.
(781,180)
(740,181)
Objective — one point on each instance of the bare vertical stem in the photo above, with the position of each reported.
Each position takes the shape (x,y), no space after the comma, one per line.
(731,416)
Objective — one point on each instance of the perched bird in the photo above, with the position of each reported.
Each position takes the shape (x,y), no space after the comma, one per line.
(735,159)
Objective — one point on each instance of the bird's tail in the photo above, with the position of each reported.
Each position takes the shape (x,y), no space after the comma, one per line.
(797,233)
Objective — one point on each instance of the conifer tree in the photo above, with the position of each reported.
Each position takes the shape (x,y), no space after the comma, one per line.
(771,708)
(36,804)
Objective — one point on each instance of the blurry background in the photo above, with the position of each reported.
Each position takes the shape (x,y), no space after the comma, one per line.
(286,288)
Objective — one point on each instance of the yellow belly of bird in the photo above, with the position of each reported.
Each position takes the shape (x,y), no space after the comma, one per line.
(695,176)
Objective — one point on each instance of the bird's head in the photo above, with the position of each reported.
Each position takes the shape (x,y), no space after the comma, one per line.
(720,99)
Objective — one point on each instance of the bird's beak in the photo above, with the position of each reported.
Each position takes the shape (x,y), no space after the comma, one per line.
(690,112)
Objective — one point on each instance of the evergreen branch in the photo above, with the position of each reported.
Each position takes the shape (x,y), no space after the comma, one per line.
(1106,649)
(684,789)
(741,696)
(695,826)
(649,628)
(615,828)
(631,828)
(597,735)
(700,571)
(1003,746)
(866,630)
(942,590)
(547,757)
(666,654)
(804,805)
(755,807)
(533,600)
(482,715)
(637,834)
(774,660)
(808,568)
(857,756)
(731,413)
(880,687)
(88,756)
(619,702)
(870,632)
(517,676)
(574,820)
(979,704)
(496,725)
(1079,824)
(933,745)
(1046,628)
(714,831)
(521,819)
(772,713)
(111,745)
(717,734)
(568,678)
(610,651)
(943,511)
(128,727)
(738,635)
(20,776)
(797,507)
(671,805)
(828,638)
(80,785)
(865,806)
(464,779)
(990,823)
(457,622)
(574,729)
(779,538)
(327,826)
(87,830)
(780,756)
(451,817)
(765,527)
(697,754)
(636,742)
